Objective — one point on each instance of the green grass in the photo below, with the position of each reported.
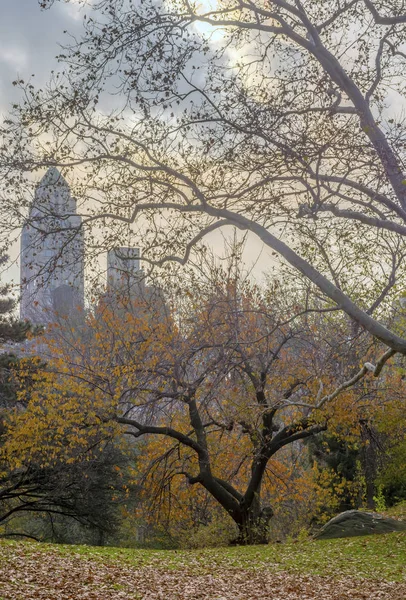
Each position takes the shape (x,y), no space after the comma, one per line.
(398,511)
(373,557)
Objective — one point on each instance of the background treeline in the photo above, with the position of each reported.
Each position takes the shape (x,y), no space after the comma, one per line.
(126,430)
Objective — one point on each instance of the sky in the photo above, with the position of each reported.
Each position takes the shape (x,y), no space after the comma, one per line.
(30,39)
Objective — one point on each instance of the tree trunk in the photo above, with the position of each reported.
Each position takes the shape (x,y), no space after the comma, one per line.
(369,461)
(254,526)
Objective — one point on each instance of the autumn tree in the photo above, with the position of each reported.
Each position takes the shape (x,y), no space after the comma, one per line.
(387,429)
(277,118)
(46,478)
(212,393)
(173,120)
(74,486)
(13,485)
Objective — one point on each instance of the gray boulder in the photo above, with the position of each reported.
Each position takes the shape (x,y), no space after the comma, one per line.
(356,522)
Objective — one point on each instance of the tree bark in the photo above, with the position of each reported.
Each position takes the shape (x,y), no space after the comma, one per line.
(254,525)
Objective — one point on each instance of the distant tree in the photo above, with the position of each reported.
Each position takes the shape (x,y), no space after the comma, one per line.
(64,492)
(390,429)
(11,329)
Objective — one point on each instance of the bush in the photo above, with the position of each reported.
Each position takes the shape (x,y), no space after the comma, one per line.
(220,532)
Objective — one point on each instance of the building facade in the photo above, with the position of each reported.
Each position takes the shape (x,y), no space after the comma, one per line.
(52,253)
(123,271)
(53,257)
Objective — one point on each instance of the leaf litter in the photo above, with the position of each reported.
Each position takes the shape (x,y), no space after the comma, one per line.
(35,572)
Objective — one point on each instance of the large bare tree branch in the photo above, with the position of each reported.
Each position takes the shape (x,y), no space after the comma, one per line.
(391,20)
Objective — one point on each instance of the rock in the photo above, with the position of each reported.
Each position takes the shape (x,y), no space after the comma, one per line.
(356,522)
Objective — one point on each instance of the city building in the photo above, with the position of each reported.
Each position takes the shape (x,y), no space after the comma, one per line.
(52,253)
(123,272)
(53,259)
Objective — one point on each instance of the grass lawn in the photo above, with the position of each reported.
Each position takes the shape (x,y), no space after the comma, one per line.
(367,568)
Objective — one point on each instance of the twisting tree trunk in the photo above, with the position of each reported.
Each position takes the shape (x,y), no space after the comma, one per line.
(254,525)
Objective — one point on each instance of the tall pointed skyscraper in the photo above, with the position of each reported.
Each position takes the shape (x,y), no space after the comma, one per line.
(52,253)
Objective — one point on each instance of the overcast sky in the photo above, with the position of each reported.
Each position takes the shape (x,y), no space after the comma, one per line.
(29,41)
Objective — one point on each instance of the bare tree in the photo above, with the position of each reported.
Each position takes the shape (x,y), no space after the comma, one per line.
(276,117)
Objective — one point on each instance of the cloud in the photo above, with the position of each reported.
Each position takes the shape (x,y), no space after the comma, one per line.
(30,39)
(13,56)
(74,9)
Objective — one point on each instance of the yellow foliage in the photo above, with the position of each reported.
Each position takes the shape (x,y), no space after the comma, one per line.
(230,358)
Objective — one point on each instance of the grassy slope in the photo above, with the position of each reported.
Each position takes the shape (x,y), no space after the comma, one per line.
(373,557)
(355,569)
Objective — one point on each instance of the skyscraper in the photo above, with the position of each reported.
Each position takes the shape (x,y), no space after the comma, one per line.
(52,253)
(123,271)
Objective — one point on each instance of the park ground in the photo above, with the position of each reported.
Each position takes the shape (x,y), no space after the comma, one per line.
(367,568)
